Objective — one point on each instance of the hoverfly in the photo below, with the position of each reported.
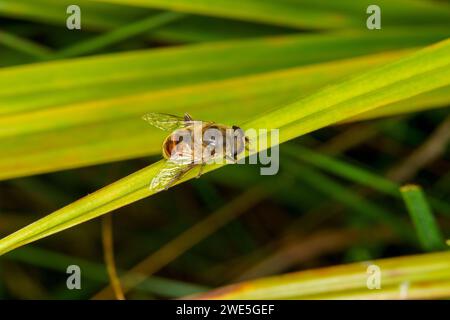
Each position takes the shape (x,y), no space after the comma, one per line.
(193,143)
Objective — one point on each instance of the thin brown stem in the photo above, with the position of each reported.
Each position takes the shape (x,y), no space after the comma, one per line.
(180,244)
(108,251)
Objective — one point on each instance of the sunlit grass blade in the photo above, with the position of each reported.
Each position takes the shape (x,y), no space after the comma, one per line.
(77,142)
(262,91)
(436,98)
(424,276)
(420,72)
(426,226)
(28,88)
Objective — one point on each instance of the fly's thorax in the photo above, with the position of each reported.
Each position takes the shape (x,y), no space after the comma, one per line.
(223,141)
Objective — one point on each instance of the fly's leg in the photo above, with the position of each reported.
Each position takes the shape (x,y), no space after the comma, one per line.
(178,176)
(187,117)
(200,171)
(231,159)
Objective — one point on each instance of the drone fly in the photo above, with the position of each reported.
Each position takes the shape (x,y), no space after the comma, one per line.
(193,143)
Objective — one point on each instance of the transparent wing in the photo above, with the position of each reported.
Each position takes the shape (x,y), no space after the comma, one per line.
(167,122)
(169,174)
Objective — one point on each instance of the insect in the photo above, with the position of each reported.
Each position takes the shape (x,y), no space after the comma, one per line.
(193,143)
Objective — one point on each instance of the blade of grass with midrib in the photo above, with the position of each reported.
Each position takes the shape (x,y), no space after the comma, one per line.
(423,71)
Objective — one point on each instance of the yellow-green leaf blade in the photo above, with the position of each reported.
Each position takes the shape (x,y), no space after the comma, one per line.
(425,276)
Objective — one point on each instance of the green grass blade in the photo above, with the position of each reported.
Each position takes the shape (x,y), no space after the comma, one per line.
(423,71)
(354,173)
(343,169)
(192,29)
(23,45)
(365,209)
(426,226)
(97,272)
(102,17)
(117,35)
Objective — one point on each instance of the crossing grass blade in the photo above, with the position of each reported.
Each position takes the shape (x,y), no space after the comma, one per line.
(426,226)
(365,209)
(355,173)
(420,72)
(96,43)
(23,45)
